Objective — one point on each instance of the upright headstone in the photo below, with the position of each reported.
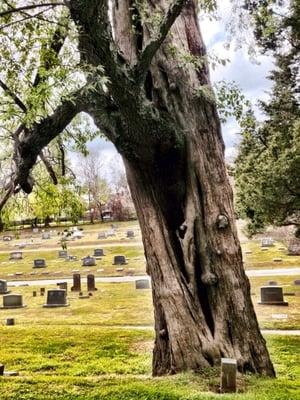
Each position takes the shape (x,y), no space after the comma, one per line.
(228,375)
(63,285)
(10,321)
(272,295)
(267,242)
(91,283)
(16,255)
(142,284)
(88,261)
(130,234)
(297,282)
(62,254)
(46,235)
(42,291)
(56,298)
(39,263)
(272,283)
(3,287)
(98,253)
(13,301)
(34,293)
(76,283)
(102,235)
(111,232)
(294,247)
(35,230)
(119,260)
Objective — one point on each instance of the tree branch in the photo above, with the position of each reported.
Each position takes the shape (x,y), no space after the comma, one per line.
(30,7)
(49,168)
(15,98)
(145,58)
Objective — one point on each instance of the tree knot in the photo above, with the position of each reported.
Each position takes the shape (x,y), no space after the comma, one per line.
(163,333)
(222,221)
(182,230)
(209,279)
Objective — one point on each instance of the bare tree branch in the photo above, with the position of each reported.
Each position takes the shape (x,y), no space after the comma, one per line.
(29,7)
(16,99)
(49,168)
(145,58)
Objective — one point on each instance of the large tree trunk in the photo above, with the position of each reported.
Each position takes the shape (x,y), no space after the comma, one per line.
(180,188)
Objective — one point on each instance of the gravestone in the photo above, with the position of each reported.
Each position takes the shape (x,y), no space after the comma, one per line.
(272,295)
(63,285)
(3,287)
(76,283)
(294,247)
(142,284)
(272,283)
(7,238)
(228,375)
(114,226)
(56,298)
(248,252)
(277,259)
(77,235)
(10,321)
(130,234)
(120,269)
(267,242)
(119,260)
(34,293)
(99,253)
(16,255)
(35,230)
(62,254)
(88,261)
(297,282)
(111,232)
(46,235)
(13,301)
(42,291)
(102,235)
(39,263)
(91,283)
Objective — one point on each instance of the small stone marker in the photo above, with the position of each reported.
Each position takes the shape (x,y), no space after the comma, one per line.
(98,253)
(88,261)
(46,235)
(16,255)
(267,242)
(277,259)
(102,235)
(111,232)
(7,238)
(281,248)
(35,230)
(272,283)
(120,269)
(63,285)
(228,375)
(248,252)
(279,316)
(297,282)
(13,301)
(56,298)
(39,263)
(34,293)
(76,283)
(294,247)
(91,283)
(264,249)
(130,234)
(62,254)
(10,321)
(42,291)
(119,260)
(3,287)
(272,295)
(142,284)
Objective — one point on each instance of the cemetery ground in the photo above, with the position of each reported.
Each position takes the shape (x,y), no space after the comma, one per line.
(100,347)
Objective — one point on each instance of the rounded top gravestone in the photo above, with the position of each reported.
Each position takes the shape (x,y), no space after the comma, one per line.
(88,261)
(98,253)
(119,260)
(130,234)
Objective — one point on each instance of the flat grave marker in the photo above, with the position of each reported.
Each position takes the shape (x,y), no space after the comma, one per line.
(102,235)
(16,255)
(39,263)
(142,284)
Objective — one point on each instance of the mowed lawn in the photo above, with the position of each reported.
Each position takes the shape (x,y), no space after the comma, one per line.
(80,363)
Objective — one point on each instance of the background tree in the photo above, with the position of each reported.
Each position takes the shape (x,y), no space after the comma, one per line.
(268,164)
(143,90)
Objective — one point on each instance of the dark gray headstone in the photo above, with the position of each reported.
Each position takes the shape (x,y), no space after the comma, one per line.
(294,248)
(88,261)
(62,254)
(102,235)
(10,321)
(76,283)
(98,253)
(228,375)
(13,301)
(16,255)
(39,263)
(272,283)
(272,295)
(3,287)
(119,260)
(42,291)
(56,298)
(63,285)
(142,284)
(267,242)
(46,235)
(7,238)
(130,234)
(297,282)
(91,283)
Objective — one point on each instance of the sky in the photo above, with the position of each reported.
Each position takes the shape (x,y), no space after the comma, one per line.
(250,74)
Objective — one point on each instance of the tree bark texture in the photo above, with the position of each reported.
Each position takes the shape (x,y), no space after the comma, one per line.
(168,133)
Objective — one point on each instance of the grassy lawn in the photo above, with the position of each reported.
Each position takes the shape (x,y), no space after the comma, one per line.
(113,364)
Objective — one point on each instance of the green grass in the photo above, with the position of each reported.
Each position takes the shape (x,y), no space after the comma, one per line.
(114,364)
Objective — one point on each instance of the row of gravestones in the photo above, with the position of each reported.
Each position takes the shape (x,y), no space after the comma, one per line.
(293,246)
(112,232)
